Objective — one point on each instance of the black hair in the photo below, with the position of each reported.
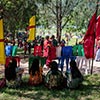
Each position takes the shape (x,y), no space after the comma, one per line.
(54,67)
(52,36)
(74,70)
(47,37)
(10,71)
(14,63)
(35,66)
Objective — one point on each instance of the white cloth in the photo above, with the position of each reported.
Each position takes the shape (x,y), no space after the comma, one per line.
(58,51)
(97,57)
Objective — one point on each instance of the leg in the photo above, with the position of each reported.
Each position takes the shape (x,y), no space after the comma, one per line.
(62,63)
(59,60)
(67,63)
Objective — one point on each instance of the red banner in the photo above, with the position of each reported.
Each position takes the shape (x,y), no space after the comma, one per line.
(89,38)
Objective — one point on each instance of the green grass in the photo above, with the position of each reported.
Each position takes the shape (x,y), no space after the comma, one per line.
(90,90)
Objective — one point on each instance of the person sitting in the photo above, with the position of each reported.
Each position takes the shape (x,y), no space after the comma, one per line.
(54,78)
(74,78)
(35,73)
(12,74)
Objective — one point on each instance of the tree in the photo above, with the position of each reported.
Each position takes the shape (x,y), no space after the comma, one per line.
(59,12)
(82,13)
(16,13)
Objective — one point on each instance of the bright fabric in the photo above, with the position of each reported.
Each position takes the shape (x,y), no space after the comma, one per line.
(42,60)
(80,50)
(75,50)
(51,54)
(58,51)
(14,50)
(2,51)
(32,28)
(37,51)
(46,48)
(97,57)
(67,54)
(54,80)
(8,50)
(89,38)
(37,78)
(67,51)
(10,58)
(98,28)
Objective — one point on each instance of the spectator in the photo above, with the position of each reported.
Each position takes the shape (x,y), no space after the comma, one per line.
(97,57)
(46,49)
(54,78)
(54,41)
(29,48)
(25,48)
(35,72)
(74,77)
(13,74)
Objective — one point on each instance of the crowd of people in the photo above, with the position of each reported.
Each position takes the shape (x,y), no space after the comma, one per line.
(50,49)
(53,79)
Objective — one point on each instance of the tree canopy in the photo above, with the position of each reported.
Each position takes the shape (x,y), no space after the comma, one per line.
(72,15)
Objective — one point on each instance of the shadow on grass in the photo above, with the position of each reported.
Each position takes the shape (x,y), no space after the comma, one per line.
(90,86)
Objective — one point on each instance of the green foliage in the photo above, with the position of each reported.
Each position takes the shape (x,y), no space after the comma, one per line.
(75,14)
(17,13)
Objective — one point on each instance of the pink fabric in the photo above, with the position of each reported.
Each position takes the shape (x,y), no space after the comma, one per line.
(46,48)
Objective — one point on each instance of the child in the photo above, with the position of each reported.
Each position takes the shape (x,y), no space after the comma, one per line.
(35,73)
(54,78)
(76,77)
(12,75)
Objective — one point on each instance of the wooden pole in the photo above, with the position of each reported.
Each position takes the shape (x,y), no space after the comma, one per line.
(95,36)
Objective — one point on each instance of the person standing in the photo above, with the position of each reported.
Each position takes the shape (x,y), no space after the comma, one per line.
(97,57)
(29,48)
(46,49)
(54,41)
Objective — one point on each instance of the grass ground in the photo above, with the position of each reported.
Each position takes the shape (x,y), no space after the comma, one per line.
(90,90)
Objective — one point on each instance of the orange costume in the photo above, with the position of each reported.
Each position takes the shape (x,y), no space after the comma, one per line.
(36,79)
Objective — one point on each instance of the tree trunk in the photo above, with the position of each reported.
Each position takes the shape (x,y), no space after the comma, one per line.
(59,19)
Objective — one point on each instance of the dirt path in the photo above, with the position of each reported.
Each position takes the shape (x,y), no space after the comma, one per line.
(84,69)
